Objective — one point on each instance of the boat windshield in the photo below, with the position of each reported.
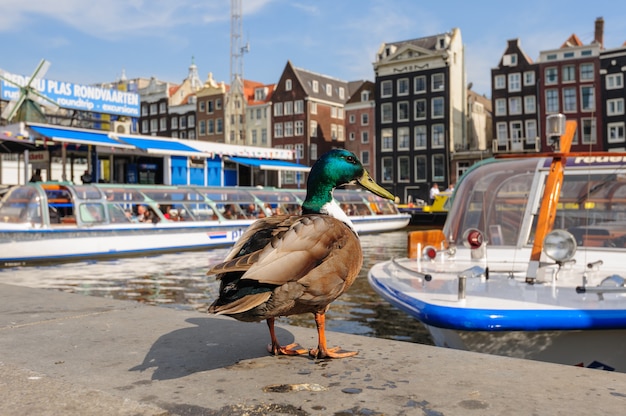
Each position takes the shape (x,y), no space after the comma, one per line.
(503,198)
(21,205)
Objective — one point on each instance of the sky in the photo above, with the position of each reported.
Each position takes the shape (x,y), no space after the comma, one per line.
(94,41)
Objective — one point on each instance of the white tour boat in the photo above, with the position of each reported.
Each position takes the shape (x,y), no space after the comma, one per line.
(55,221)
(530,262)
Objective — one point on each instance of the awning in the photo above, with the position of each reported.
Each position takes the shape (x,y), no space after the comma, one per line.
(79,137)
(163,147)
(270,164)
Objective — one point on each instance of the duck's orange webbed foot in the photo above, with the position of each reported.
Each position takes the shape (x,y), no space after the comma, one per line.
(321,351)
(277,349)
(291,349)
(335,352)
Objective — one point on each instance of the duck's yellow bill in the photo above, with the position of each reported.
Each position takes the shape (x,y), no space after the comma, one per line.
(368,183)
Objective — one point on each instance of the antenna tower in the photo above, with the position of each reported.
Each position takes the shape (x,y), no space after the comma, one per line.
(236,99)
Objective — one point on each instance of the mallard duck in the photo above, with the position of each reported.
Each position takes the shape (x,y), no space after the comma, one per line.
(286,265)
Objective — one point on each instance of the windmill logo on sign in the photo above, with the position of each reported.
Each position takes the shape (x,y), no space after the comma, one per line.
(26,106)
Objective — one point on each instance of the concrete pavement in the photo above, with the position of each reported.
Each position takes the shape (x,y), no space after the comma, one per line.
(68,354)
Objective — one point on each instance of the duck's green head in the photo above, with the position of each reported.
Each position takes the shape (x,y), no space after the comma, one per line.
(335,168)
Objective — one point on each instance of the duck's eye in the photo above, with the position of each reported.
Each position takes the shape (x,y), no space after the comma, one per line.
(351,159)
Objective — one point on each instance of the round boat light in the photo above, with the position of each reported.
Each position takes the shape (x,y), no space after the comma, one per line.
(473,238)
(429,253)
(559,245)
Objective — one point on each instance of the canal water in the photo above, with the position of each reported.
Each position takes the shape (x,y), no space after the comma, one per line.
(180,281)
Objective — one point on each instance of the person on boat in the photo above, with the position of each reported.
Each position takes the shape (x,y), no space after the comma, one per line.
(450,188)
(145,214)
(434,191)
(36,176)
(86,177)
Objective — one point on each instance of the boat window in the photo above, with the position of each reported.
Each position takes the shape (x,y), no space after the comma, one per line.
(21,205)
(92,213)
(593,208)
(113,194)
(87,192)
(119,215)
(493,199)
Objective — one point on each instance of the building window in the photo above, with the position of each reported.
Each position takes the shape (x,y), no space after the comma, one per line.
(387,169)
(386,89)
(438,136)
(299,128)
(515,84)
(278,109)
(615,107)
(298,107)
(614,81)
(502,132)
(278,130)
(531,131)
(219,126)
(365,137)
(288,108)
(288,85)
(174,123)
(420,137)
(552,75)
(386,113)
(437,82)
(162,124)
(615,132)
(516,130)
(144,110)
(586,72)
(202,128)
(420,109)
(333,112)
(419,86)
(209,107)
(210,127)
(329,90)
(182,122)
(288,129)
(403,86)
(191,121)
(568,73)
(299,151)
(365,157)
(530,104)
(588,101)
(439,168)
(404,138)
(351,136)
(403,169)
(352,119)
(218,104)
(263,136)
(154,125)
(588,131)
(499,82)
(365,119)
(316,86)
(386,144)
(254,137)
(162,108)
(403,111)
(437,107)
(569,100)
(313,128)
(529,78)
(515,105)
(420,168)
(144,126)
(313,151)
(552,101)
(201,107)
(501,106)
(153,109)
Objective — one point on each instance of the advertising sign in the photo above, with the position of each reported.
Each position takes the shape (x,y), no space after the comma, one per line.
(76,96)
